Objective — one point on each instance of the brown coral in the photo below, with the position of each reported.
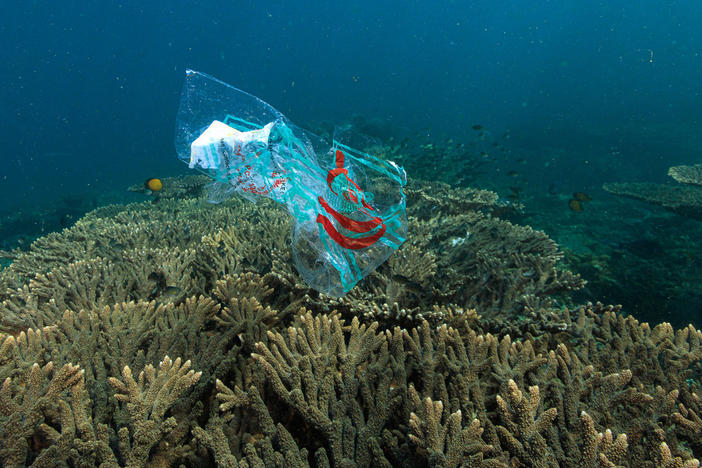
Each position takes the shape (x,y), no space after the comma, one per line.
(451,354)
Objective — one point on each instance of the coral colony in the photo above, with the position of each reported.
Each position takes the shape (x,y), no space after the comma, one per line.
(449,354)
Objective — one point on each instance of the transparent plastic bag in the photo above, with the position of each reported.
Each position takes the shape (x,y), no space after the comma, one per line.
(348,206)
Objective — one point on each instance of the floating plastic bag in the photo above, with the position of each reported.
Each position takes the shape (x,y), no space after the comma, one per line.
(348,206)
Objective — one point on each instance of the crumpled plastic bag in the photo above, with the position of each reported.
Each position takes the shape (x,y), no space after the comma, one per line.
(348,206)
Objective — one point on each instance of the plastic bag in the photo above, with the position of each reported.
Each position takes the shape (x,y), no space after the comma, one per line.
(348,206)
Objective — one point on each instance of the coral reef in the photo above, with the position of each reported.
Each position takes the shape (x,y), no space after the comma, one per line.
(691,175)
(457,352)
(684,200)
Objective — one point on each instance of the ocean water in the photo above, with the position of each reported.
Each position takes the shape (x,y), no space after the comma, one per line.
(569,95)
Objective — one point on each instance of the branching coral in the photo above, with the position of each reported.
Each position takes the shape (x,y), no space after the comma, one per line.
(601,449)
(321,375)
(147,401)
(522,433)
(26,403)
(443,438)
(451,354)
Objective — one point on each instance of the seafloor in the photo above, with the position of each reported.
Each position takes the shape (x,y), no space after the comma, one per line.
(173,332)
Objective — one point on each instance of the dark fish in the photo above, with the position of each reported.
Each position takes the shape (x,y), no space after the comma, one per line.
(580,196)
(513,173)
(553,188)
(516,189)
(477,127)
(575,205)
(521,161)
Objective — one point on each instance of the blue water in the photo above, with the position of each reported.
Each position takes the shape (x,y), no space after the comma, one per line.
(590,92)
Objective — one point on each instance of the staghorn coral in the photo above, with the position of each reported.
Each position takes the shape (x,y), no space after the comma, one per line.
(274,445)
(237,236)
(522,431)
(329,398)
(147,401)
(405,370)
(90,284)
(428,199)
(144,433)
(492,265)
(444,439)
(27,403)
(601,449)
(668,461)
(689,419)
(336,379)
(107,232)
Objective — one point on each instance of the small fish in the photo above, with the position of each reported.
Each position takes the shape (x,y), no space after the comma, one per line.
(581,196)
(513,173)
(575,205)
(170,294)
(153,184)
(477,127)
(484,154)
(553,188)
(521,161)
